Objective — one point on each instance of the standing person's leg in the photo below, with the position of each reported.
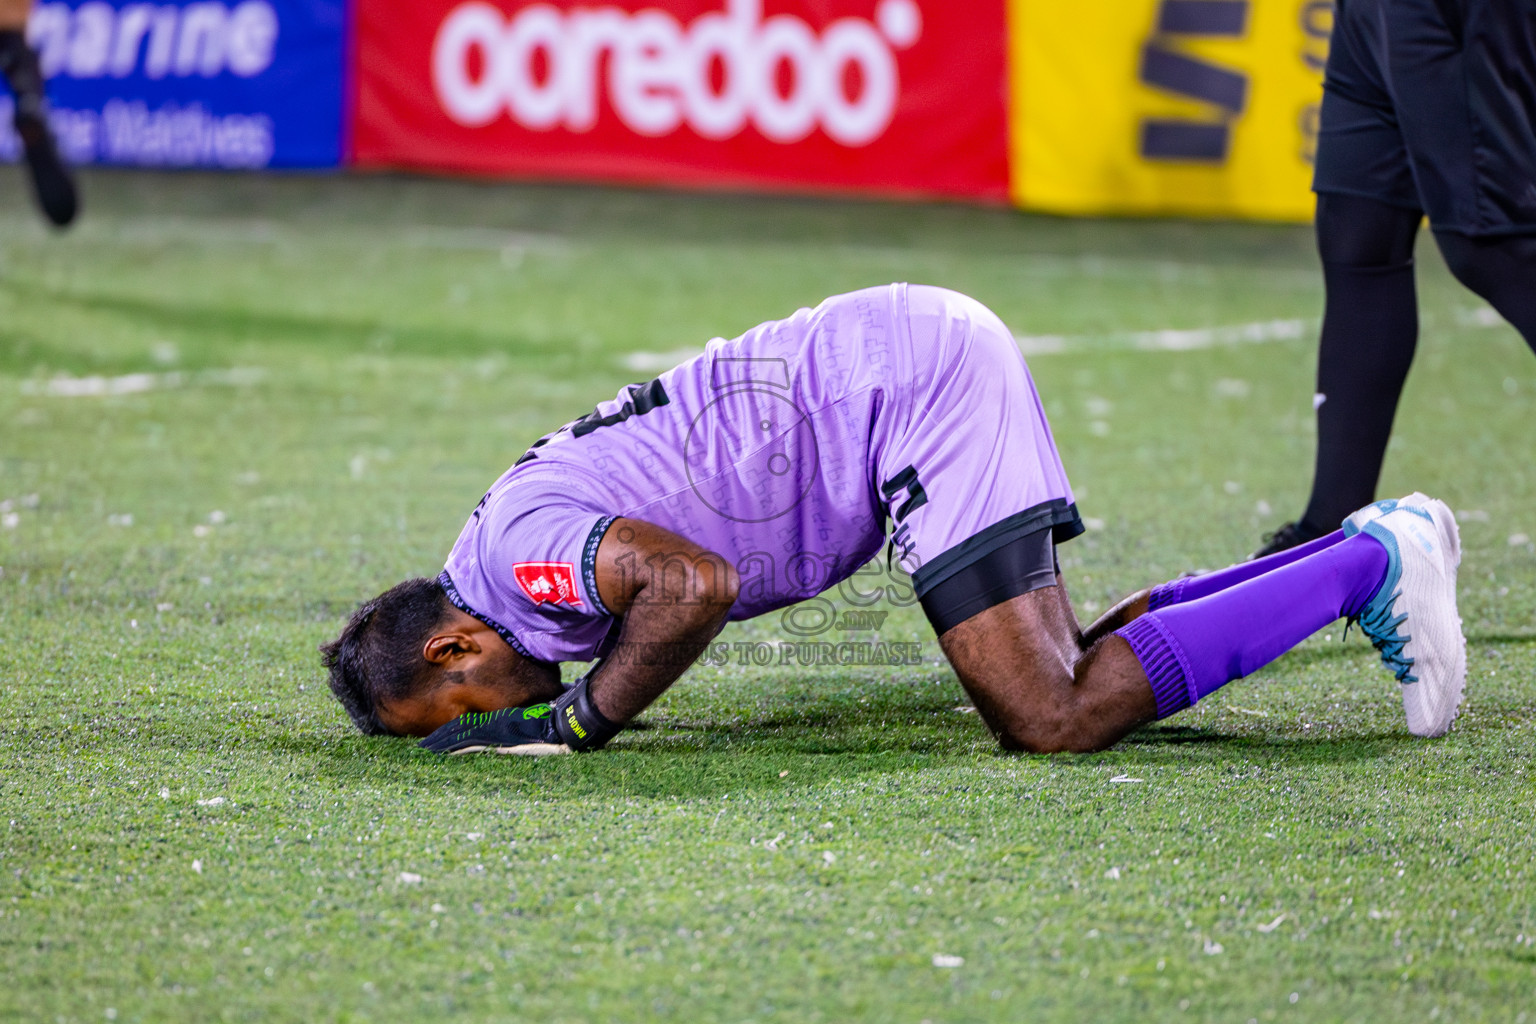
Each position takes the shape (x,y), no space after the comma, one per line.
(1502,269)
(1368,216)
(1370,330)
(51,181)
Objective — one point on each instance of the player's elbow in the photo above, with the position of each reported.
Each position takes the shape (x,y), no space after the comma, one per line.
(732,586)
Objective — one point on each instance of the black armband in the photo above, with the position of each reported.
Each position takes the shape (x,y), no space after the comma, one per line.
(580,725)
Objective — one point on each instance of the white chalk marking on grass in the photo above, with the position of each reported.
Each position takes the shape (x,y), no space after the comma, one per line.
(216,231)
(1125,778)
(1170,339)
(948,961)
(256,231)
(1057,265)
(214,802)
(1248,711)
(1258,332)
(1479,316)
(476,239)
(1166,340)
(1043,344)
(656,362)
(64,386)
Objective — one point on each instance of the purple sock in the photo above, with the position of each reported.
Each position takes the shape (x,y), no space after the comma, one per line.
(1191,588)
(1193,648)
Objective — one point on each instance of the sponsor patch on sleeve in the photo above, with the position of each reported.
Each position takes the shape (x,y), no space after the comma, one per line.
(548,582)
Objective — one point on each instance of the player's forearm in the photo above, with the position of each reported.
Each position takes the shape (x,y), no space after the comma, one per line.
(656,645)
(673,597)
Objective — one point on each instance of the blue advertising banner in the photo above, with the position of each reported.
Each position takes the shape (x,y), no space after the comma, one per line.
(240,84)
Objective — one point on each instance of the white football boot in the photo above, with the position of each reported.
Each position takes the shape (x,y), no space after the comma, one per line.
(1375,510)
(1412,620)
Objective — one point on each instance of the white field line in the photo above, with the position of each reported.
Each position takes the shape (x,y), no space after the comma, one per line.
(1170,339)
(656,362)
(262,231)
(1258,332)
(138,383)
(236,231)
(1166,340)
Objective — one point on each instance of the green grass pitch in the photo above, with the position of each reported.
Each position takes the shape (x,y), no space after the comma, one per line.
(295,389)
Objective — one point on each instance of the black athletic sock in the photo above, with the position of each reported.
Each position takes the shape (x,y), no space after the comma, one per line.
(1501,270)
(1370,331)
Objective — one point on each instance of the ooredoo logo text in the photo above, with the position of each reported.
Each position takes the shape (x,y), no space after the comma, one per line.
(546,68)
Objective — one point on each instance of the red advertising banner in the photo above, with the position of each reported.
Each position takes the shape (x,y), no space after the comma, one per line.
(891,96)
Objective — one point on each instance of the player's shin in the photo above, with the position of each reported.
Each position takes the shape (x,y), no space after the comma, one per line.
(1191,649)
(1192,588)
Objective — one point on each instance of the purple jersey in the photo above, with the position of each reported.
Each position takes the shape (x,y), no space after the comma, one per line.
(783,450)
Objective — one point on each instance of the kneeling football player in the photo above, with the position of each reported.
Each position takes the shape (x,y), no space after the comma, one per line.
(765,470)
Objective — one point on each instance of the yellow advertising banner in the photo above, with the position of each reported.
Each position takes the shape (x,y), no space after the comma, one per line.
(1197,107)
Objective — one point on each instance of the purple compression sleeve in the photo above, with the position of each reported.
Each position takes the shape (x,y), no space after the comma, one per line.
(1192,648)
(1192,588)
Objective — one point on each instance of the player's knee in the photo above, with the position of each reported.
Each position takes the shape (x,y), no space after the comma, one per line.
(1052,743)
(1058,731)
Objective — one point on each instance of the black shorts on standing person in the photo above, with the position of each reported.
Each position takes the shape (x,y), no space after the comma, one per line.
(1429,107)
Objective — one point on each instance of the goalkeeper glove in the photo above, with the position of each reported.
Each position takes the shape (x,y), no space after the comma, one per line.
(572,722)
(529,730)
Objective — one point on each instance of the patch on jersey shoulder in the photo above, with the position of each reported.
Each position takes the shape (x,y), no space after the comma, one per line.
(547,582)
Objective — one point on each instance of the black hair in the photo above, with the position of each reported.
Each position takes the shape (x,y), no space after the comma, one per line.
(377,657)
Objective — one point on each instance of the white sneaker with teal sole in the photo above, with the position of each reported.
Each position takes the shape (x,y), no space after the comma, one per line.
(1375,510)
(1412,620)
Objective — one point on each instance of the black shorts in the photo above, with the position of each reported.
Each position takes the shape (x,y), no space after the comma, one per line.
(1000,563)
(1431,105)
